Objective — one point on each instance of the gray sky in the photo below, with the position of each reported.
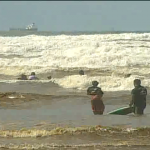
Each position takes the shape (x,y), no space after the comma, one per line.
(76,15)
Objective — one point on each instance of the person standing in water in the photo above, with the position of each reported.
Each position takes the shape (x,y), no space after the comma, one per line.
(138,101)
(96,98)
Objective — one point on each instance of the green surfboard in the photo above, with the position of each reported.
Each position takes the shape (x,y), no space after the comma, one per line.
(122,111)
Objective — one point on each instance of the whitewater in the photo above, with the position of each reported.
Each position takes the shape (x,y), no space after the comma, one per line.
(107,58)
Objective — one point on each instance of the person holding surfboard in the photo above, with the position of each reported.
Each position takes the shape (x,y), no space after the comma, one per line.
(96,98)
(139,94)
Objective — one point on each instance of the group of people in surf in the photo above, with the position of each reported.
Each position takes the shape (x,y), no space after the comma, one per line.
(31,77)
(34,77)
(138,101)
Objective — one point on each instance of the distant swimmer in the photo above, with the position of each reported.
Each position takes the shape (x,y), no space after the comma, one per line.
(81,72)
(33,76)
(127,75)
(96,98)
(22,77)
(139,94)
(49,77)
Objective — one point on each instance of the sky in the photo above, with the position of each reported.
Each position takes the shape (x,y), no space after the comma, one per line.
(76,15)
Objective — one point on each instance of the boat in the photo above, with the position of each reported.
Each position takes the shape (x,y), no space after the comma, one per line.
(30,27)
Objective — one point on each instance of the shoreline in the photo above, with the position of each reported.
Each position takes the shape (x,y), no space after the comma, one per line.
(77,138)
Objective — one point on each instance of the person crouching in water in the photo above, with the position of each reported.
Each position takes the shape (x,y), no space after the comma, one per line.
(22,77)
(33,77)
(96,98)
(138,97)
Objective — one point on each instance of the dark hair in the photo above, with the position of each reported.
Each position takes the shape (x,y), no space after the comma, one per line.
(137,82)
(95,83)
(81,72)
(49,77)
(23,77)
(32,73)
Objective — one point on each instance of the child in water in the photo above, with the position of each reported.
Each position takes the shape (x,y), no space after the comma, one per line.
(33,77)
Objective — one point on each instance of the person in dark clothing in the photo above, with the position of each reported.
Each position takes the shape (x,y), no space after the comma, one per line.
(96,98)
(138,97)
(22,77)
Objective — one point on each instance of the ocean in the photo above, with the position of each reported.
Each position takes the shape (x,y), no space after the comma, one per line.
(56,113)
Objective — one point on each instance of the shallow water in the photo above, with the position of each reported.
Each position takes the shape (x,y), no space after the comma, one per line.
(72,111)
(57,105)
(63,109)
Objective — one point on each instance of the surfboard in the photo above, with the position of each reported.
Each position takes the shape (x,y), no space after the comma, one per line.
(122,111)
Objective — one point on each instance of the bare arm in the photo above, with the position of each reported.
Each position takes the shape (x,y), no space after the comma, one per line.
(132,100)
(88,91)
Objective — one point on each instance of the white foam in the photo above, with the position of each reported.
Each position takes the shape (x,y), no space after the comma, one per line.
(91,51)
(107,83)
(44,53)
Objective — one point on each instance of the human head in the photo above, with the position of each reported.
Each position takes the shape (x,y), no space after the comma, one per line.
(95,83)
(137,82)
(24,77)
(81,72)
(49,77)
(32,73)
